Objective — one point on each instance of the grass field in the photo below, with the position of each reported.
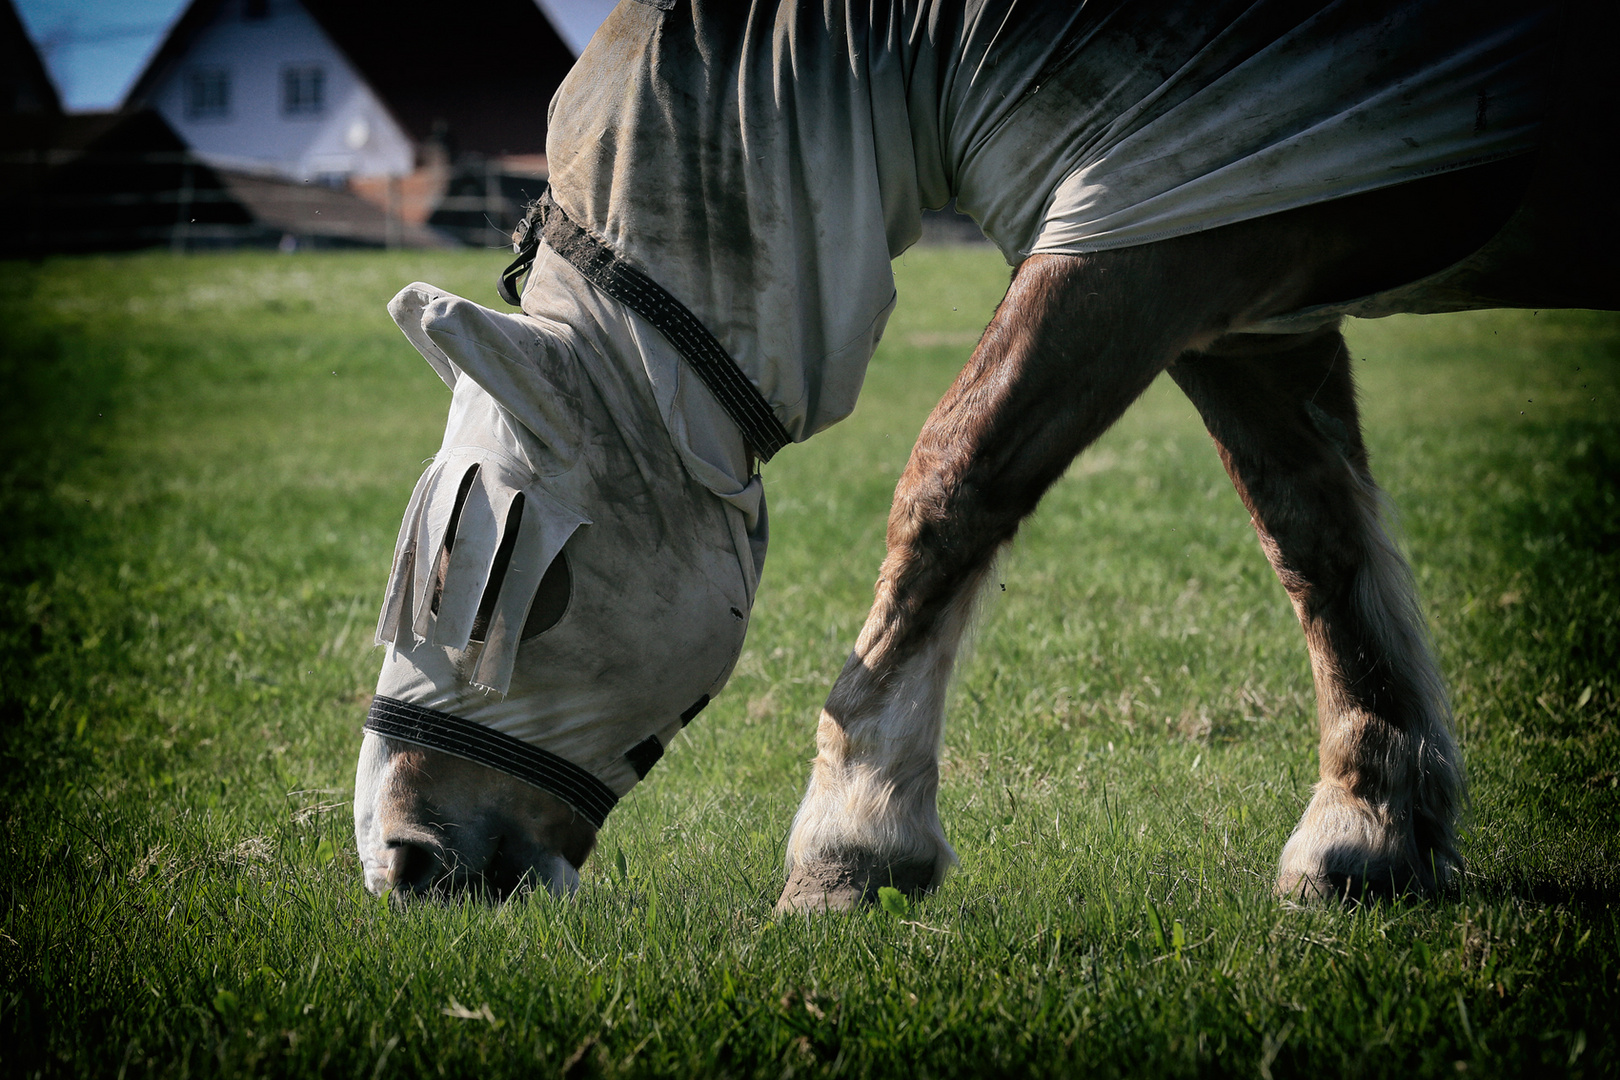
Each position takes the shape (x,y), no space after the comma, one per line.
(205,460)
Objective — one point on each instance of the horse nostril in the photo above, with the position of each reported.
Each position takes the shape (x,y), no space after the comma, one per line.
(411,867)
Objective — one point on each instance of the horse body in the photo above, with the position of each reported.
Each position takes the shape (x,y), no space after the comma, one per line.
(764,166)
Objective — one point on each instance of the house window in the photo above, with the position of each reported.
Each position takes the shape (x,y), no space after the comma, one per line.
(208,93)
(303,90)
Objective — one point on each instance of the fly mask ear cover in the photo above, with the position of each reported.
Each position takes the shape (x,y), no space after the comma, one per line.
(552,451)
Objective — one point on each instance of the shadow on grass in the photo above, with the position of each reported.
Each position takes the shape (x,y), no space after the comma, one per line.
(61,393)
(1545,711)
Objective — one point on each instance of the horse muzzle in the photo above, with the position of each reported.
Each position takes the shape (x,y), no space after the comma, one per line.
(429,824)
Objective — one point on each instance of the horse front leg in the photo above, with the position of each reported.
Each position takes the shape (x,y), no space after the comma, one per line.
(1381,818)
(1070,347)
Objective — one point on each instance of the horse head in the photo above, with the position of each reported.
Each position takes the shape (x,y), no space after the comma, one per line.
(565,597)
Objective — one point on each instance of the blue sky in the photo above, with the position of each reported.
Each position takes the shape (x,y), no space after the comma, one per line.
(94,49)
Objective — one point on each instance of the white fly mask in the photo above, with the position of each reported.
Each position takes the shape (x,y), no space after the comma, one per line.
(564,595)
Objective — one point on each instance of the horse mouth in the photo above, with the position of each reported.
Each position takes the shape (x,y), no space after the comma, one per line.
(427,869)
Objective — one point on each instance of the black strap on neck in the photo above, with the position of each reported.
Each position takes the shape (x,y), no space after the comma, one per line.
(435,730)
(602,267)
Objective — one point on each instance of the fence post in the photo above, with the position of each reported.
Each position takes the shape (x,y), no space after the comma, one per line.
(177,241)
(391,213)
(493,203)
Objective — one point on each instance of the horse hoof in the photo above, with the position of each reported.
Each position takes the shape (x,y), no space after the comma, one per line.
(1344,851)
(1341,879)
(851,882)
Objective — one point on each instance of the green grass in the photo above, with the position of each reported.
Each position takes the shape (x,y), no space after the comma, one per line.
(205,460)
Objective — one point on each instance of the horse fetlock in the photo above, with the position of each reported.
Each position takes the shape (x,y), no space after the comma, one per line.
(869,794)
(1348,849)
(891,829)
(860,829)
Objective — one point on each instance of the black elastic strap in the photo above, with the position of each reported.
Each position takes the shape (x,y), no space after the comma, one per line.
(465,739)
(602,267)
(525,242)
(644,755)
(692,710)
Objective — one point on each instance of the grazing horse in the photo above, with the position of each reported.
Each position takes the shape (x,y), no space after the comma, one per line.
(1199,188)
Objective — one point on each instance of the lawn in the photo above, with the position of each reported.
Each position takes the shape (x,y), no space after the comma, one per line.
(205,461)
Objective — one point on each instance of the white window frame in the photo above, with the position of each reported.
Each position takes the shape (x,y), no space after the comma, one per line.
(303,91)
(199,103)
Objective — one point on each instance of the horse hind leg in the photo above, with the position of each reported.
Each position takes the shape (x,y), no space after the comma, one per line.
(1381,819)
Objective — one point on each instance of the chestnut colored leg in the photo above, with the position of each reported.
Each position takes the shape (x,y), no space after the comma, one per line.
(1050,375)
(1074,342)
(1283,416)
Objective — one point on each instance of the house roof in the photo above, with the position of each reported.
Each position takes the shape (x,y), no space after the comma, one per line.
(118,181)
(108,182)
(25,88)
(319,213)
(477,76)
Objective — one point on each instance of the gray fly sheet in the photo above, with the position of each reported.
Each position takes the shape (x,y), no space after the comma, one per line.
(731,183)
(765,163)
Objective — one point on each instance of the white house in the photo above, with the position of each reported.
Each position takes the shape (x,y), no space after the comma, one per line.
(261,86)
(344,89)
